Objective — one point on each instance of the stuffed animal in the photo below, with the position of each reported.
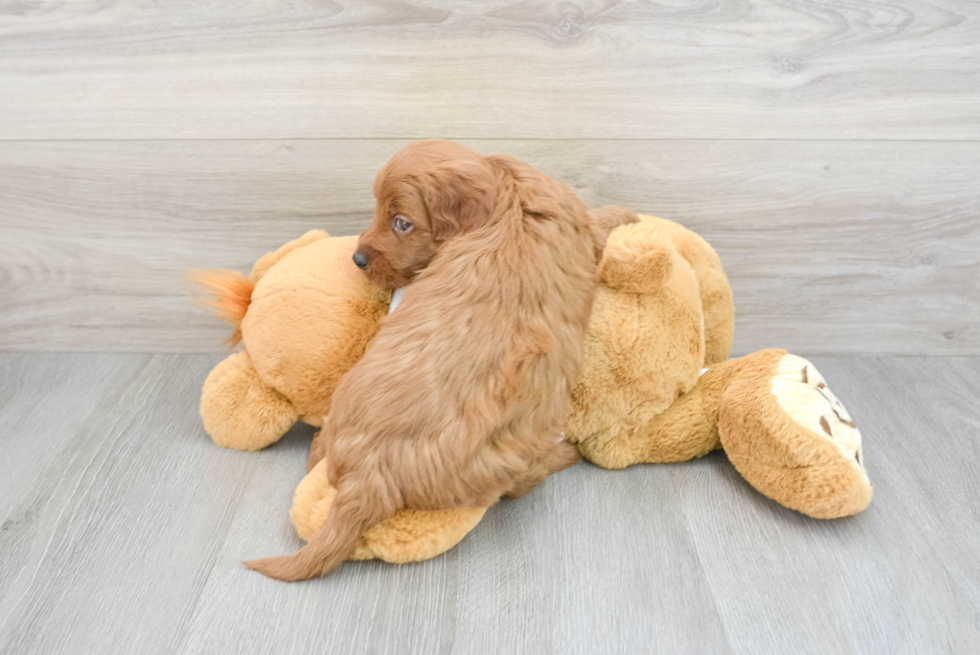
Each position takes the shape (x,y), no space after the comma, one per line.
(655,386)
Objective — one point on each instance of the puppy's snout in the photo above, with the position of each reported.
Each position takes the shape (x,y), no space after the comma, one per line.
(361,259)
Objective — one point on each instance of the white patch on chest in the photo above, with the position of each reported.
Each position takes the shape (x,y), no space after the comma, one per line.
(396,298)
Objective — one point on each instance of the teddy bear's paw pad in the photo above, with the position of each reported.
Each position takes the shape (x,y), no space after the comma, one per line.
(312,501)
(802,393)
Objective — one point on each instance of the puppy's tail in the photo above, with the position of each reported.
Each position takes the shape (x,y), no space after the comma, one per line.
(228,293)
(347,521)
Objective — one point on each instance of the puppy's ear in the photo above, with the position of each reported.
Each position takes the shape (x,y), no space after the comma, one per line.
(459,195)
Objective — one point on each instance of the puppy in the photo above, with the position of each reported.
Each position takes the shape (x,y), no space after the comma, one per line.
(461,395)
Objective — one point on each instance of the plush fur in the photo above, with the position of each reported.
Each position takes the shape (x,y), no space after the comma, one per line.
(806,468)
(639,398)
(461,396)
(642,398)
(252,398)
(240,410)
(408,536)
(733,405)
(649,335)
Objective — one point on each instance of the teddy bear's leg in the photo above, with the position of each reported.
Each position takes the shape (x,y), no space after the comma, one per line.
(790,437)
(686,429)
(779,423)
(241,411)
(409,536)
(643,351)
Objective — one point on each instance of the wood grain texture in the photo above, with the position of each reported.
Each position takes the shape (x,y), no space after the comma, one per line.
(809,69)
(123,528)
(831,247)
(904,559)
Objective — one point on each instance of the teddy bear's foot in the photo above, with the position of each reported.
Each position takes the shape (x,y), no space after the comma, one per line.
(409,536)
(791,438)
(803,393)
(312,501)
(240,410)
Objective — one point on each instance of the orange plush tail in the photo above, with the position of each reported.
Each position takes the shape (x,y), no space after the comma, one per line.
(228,293)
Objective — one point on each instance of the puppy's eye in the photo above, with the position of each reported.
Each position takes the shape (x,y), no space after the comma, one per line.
(401,224)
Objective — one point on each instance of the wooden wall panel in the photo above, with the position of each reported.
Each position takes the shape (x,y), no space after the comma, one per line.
(831,247)
(808,69)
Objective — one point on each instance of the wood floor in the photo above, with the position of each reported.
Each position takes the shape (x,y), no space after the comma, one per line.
(123,528)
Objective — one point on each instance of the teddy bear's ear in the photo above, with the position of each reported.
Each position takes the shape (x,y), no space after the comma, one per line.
(269,260)
(635,267)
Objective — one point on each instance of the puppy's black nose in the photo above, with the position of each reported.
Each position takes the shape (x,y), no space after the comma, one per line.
(360,259)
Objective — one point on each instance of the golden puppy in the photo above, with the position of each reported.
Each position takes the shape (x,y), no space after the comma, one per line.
(460,397)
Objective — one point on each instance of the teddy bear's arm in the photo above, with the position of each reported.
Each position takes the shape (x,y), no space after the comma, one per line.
(241,411)
(269,260)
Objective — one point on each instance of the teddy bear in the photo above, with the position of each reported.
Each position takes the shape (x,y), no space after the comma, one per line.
(656,383)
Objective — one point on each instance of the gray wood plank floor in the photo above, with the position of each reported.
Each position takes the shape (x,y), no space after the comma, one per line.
(122,528)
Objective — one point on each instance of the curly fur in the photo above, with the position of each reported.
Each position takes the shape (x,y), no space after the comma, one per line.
(461,396)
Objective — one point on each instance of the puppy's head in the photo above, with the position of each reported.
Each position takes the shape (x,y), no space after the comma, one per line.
(429,192)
